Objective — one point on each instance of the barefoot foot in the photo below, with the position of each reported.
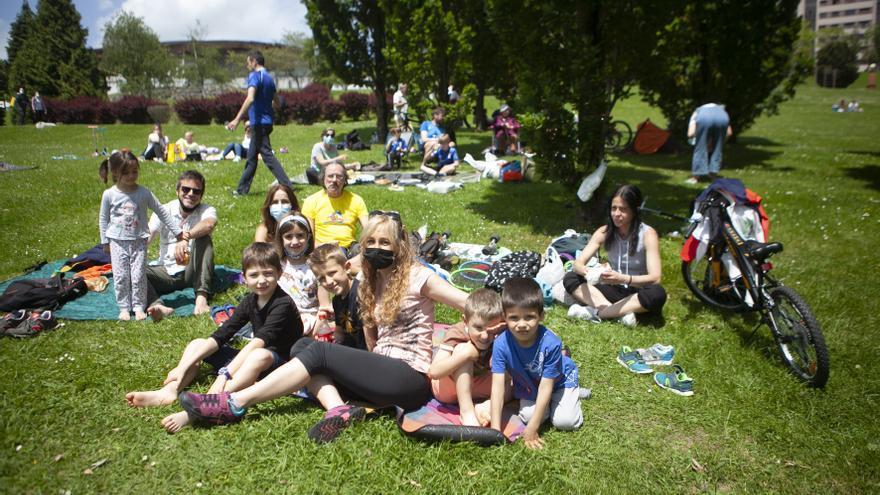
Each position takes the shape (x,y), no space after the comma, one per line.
(469,420)
(158,312)
(139,315)
(124,316)
(152,398)
(202,306)
(175,422)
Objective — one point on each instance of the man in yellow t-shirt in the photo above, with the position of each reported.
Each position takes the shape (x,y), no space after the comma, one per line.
(334,212)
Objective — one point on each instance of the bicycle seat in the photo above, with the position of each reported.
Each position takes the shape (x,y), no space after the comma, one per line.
(760,251)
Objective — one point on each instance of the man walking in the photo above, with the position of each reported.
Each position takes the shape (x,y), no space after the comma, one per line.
(258,105)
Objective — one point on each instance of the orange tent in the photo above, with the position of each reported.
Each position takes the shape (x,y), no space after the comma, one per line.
(649,138)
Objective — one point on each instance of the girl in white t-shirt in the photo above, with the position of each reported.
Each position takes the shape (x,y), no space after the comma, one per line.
(295,242)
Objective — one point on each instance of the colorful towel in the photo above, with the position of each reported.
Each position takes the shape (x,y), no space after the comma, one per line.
(102,305)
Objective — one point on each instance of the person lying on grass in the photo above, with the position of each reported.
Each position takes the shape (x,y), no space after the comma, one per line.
(460,371)
(276,324)
(544,380)
(396,296)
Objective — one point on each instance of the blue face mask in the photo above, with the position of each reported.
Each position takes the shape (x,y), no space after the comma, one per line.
(328,139)
(278,211)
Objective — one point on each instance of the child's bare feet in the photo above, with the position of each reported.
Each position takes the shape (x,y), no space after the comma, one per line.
(175,422)
(139,315)
(202,306)
(161,397)
(158,312)
(469,420)
(124,316)
(483,411)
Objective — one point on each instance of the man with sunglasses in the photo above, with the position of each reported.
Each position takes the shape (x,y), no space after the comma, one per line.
(190,261)
(335,213)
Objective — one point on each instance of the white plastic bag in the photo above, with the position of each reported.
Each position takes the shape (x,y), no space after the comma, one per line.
(443,187)
(591,182)
(553,269)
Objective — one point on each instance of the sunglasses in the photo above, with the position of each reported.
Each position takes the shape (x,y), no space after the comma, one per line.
(390,214)
(187,190)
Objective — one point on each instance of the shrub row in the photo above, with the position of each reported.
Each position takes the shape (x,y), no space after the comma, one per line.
(306,106)
(93,110)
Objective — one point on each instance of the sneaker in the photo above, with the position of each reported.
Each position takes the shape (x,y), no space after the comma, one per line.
(658,354)
(632,361)
(588,313)
(208,409)
(629,320)
(335,421)
(236,159)
(219,315)
(677,382)
(584,393)
(36,323)
(13,320)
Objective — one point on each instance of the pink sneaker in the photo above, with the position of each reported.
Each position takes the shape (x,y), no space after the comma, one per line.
(208,409)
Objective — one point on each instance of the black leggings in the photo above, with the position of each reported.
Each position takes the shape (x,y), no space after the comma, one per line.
(651,297)
(371,377)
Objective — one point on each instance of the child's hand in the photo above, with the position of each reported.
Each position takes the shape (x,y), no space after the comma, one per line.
(532,439)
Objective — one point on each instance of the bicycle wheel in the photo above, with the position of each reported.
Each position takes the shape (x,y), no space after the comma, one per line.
(468,279)
(800,340)
(708,281)
(619,136)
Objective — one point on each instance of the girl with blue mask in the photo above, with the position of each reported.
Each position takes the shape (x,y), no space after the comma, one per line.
(294,241)
(280,201)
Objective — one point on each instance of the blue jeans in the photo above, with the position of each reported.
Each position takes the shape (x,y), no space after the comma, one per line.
(236,147)
(260,145)
(712,123)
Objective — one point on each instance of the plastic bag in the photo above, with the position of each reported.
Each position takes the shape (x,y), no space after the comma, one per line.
(591,182)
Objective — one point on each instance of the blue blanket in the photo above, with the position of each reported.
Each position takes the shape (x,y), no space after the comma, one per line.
(102,305)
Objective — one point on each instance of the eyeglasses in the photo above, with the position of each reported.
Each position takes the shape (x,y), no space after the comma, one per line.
(390,214)
(186,190)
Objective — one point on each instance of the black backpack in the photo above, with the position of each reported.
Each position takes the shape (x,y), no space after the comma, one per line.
(519,264)
(42,293)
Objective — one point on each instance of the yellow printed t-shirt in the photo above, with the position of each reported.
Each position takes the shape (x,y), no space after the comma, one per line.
(335,219)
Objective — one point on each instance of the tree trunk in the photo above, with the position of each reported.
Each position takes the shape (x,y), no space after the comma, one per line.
(480,120)
(380,82)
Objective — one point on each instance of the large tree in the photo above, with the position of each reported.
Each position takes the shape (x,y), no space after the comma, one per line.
(132,50)
(54,59)
(736,52)
(572,61)
(289,59)
(202,63)
(19,31)
(351,36)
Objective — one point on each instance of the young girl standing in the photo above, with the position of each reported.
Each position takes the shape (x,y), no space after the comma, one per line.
(295,242)
(125,232)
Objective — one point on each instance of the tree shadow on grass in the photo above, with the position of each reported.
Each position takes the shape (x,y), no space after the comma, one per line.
(870,174)
(748,151)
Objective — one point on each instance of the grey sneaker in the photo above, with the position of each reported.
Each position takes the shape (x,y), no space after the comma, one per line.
(588,313)
(658,354)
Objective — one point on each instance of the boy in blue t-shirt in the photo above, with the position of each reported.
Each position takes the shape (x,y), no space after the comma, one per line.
(544,381)
(395,150)
(446,156)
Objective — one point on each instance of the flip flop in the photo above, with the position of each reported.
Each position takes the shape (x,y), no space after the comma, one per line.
(219,315)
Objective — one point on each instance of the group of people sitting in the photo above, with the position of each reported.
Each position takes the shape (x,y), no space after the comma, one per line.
(189,150)
(308,266)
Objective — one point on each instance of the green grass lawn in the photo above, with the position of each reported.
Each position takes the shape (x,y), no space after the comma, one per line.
(750,427)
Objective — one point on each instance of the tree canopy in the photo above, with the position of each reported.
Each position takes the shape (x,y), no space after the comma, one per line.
(133,51)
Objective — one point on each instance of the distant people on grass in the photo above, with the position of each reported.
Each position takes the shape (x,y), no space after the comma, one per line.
(430,132)
(258,106)
(444,160)
(188,262)
(124,230)
(506,129)
(395,149)
(189,148)
(276,326)
(280,200)
(630,282)
(709,126)
(38,106)
(21,106)
(239,150)
(157,144)
(401,106)
(324,153)
(335,212)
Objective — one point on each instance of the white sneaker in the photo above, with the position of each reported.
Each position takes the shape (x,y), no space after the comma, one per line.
(236,159)
(629,320)
(580,312)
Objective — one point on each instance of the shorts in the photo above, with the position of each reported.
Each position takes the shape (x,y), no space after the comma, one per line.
(225,354)
(651,297)
(444,388)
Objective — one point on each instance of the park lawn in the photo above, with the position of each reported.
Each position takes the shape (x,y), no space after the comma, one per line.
(750,427)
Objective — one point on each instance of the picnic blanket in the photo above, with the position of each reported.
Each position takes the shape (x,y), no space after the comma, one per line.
(102,305)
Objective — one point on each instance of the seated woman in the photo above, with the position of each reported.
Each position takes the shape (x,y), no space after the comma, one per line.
(240,149)
(506,129)
(334,212)
(280,200)
(630,281)
(325,153)
(396,297)
(157,144)
(189,147)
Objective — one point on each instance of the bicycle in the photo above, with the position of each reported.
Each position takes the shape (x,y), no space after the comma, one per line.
(795,329)
(618,135)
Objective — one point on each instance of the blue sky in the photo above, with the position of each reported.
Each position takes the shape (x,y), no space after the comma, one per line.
(256,20)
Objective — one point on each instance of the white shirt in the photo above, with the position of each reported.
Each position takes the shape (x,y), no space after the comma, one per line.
(397,99)
(167,238)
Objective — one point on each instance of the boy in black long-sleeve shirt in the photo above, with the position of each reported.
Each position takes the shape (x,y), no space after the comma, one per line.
(276,323)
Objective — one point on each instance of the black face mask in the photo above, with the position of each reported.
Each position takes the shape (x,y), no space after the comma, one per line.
(184,209)
(379,258)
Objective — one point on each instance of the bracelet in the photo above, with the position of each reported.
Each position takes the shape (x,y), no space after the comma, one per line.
(630,280)
(225,372)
